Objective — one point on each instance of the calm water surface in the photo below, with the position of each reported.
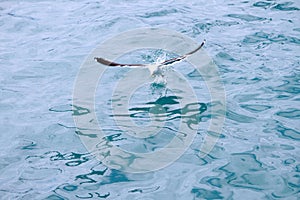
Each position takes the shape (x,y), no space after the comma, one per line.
(255,45)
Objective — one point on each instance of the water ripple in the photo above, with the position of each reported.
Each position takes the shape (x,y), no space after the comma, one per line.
(63,108)
(288,132)
(206,194)
(239,118)
(256,108)
(74,159)
(285,7)
(292,114)
(263,4)
(263,37)
(160,13)
(247,18)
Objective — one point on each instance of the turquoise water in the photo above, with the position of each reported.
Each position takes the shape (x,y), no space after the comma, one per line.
(255,45)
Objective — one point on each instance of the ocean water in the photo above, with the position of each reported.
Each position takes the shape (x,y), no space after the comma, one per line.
(255,46)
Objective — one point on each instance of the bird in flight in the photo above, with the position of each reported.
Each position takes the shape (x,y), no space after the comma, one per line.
(154,68)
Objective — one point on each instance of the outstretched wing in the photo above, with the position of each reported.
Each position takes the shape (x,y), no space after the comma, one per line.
(167,62)
(194,51)
(110,63)
(180,58)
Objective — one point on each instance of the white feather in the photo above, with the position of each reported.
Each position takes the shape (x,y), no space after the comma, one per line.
(152,68)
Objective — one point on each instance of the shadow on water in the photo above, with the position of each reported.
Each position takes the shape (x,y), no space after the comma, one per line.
(167,106)
(167,112)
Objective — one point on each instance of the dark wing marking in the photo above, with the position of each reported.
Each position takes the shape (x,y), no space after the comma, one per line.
(173,60)
(201,45)
(167,62)
(180,58)
(110,63)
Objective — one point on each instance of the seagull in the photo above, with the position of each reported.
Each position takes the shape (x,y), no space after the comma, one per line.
(154,68)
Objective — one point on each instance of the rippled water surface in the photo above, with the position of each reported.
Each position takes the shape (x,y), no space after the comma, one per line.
(255,45)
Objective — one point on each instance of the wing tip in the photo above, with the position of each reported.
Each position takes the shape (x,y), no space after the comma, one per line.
(103,61)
